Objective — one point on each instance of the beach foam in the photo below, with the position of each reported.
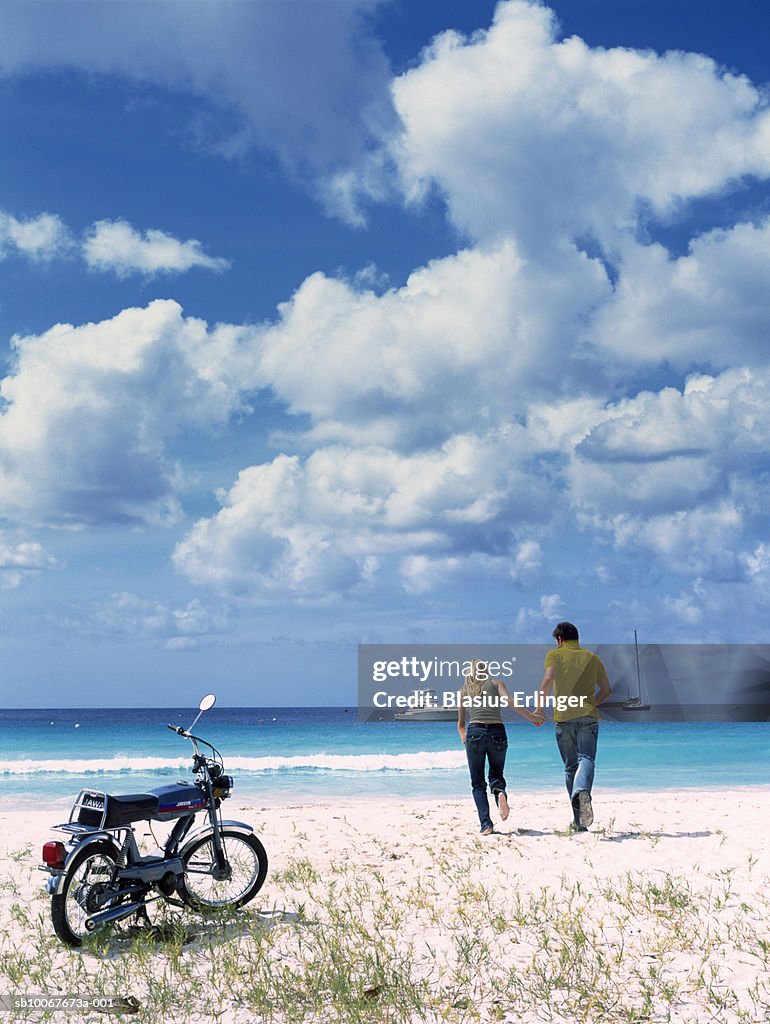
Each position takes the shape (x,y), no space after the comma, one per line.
(421,761)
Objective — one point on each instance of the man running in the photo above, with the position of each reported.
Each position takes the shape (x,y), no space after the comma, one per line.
(575,673)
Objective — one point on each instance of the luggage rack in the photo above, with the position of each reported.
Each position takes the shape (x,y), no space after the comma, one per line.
(75,828)
(88,812)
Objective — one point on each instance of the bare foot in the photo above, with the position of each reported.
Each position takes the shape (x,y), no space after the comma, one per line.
(502,806)
(487,831)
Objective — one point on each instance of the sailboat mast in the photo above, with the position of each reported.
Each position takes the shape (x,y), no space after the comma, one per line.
(638,672)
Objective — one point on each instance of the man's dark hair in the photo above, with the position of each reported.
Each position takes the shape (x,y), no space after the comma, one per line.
(565,631)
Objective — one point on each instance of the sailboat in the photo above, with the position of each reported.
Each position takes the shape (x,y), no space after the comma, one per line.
(634,701)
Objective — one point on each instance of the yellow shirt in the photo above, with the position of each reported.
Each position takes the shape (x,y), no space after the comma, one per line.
(577,673)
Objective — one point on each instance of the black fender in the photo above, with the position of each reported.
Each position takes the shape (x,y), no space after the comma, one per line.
(207,830)
(55,883)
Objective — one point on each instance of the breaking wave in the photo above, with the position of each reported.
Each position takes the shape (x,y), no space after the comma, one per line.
(444,760)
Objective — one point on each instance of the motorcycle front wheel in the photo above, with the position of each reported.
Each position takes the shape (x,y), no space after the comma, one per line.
(88,878)
(206,885)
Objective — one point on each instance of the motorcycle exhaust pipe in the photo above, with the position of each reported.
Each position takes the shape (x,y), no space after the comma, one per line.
(116,914)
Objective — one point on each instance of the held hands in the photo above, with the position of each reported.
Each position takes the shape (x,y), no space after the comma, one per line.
(538,718)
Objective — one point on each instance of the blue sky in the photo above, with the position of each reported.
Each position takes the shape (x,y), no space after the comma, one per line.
(345,321)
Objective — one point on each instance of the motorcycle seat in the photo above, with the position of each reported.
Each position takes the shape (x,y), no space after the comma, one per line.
(115,810)
(129,807)
(162,804)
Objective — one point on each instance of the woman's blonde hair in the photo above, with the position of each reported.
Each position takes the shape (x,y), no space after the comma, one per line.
(474,683)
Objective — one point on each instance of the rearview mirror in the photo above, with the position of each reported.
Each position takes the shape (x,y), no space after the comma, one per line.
(207,702)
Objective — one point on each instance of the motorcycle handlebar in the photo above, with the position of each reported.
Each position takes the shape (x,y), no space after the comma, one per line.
(195,740)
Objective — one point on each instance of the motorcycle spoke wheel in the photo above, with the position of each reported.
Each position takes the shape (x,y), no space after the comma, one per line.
(88,878)
(245,875)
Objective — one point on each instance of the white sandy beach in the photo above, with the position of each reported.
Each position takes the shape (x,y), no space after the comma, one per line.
(388,911)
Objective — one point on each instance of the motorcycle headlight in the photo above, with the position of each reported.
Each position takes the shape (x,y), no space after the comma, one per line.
(222,786)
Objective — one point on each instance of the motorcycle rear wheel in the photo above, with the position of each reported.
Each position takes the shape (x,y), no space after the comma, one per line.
(88,877)
(247,863)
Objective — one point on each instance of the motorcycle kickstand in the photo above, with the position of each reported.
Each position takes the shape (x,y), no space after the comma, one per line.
(142,920)
(156,931)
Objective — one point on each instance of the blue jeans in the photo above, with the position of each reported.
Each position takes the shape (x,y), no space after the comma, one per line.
(577,740)
(486,743)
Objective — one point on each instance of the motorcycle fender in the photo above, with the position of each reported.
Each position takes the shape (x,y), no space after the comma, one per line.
(55,883)
(237,826)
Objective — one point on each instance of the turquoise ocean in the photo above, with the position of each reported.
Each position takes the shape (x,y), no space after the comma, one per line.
(290,755)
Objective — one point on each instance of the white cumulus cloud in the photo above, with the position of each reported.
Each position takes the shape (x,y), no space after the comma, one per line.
(40,238)
(325,525)
(127,616)
(529,621)
(21,559)
(89,411)
(698,541)
(115,245)
(679,472)
(423,573)
(528,134)
(708,306)
(465,342)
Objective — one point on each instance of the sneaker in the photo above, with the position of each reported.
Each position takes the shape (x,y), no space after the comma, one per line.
(585,810)
(502,806)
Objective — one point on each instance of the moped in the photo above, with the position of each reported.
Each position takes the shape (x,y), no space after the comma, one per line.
(98,876)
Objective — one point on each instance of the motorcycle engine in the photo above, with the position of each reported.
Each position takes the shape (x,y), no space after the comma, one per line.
(167,885)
